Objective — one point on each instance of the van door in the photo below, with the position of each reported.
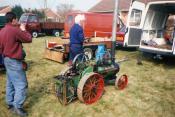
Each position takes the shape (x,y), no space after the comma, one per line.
(134,30)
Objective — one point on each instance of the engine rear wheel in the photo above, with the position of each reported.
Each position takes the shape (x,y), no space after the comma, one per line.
(90,88)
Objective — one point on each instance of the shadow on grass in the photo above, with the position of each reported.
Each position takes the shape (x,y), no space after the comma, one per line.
(37,91)
(129,49)
(167,61)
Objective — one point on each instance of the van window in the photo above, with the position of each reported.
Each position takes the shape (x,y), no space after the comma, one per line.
(158,20)
(135,18)
(148,19)
(120,25)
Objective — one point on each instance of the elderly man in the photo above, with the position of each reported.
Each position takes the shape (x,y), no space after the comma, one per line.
(76,38)
(11,38)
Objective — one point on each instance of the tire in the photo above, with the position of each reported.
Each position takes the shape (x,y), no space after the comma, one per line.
(90,88)
(121,82)
(56,33)
(34,34)
(88,52)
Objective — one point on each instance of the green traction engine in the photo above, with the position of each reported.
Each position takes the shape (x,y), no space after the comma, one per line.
(86,78)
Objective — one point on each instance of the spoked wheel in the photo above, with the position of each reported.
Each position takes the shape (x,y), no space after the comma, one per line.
(80,61)
(90,88)
(121,82)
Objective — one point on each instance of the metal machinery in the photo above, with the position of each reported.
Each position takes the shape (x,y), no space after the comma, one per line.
(86,78)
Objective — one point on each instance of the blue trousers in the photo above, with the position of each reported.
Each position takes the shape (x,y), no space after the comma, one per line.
(16,83)
(74,50)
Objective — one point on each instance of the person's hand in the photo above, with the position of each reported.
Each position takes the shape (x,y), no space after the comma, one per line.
(86,41)
(23,27)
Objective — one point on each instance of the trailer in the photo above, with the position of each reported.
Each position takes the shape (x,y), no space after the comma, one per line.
(57,49)
(36,27)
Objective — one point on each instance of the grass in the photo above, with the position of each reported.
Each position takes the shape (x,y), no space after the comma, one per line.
(151,89)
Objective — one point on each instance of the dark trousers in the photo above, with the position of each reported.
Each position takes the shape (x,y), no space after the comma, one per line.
(75,49)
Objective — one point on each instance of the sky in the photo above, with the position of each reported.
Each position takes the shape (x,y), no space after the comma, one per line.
(83,5)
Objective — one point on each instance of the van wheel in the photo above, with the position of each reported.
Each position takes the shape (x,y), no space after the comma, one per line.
(56,33)
(88,52)
(34,34)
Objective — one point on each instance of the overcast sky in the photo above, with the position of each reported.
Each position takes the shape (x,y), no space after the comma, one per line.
(83,5)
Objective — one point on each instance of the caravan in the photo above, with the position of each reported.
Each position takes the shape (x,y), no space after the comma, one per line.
(158,28)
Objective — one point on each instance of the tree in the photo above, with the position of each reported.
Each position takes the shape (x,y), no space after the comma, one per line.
(17,9)
(63,9)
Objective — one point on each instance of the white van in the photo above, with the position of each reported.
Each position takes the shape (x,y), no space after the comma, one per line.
(157,27)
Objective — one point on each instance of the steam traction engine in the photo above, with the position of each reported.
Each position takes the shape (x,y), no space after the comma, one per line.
(85,79)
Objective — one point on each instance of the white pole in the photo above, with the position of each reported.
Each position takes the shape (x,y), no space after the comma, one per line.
(114,26)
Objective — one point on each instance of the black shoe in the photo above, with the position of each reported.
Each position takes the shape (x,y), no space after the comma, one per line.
(21,112)
(11,108)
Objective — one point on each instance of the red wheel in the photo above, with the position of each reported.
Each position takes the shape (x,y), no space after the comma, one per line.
(90,88)
(121,82)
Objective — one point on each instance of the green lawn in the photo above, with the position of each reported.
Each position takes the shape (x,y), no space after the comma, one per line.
(150,93)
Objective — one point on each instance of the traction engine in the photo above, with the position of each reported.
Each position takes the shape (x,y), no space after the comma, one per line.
(86,79)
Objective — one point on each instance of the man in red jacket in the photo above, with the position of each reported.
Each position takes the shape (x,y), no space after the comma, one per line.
(11,38)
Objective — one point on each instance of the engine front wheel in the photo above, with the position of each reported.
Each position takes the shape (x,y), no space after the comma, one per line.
(121,82)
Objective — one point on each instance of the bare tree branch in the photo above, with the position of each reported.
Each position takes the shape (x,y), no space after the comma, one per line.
(63,9)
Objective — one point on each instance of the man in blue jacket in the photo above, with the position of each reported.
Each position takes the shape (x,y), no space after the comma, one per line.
(76,38)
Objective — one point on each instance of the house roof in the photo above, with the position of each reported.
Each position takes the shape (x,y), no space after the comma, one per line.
(108,5)
(49,13)
(5,9)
